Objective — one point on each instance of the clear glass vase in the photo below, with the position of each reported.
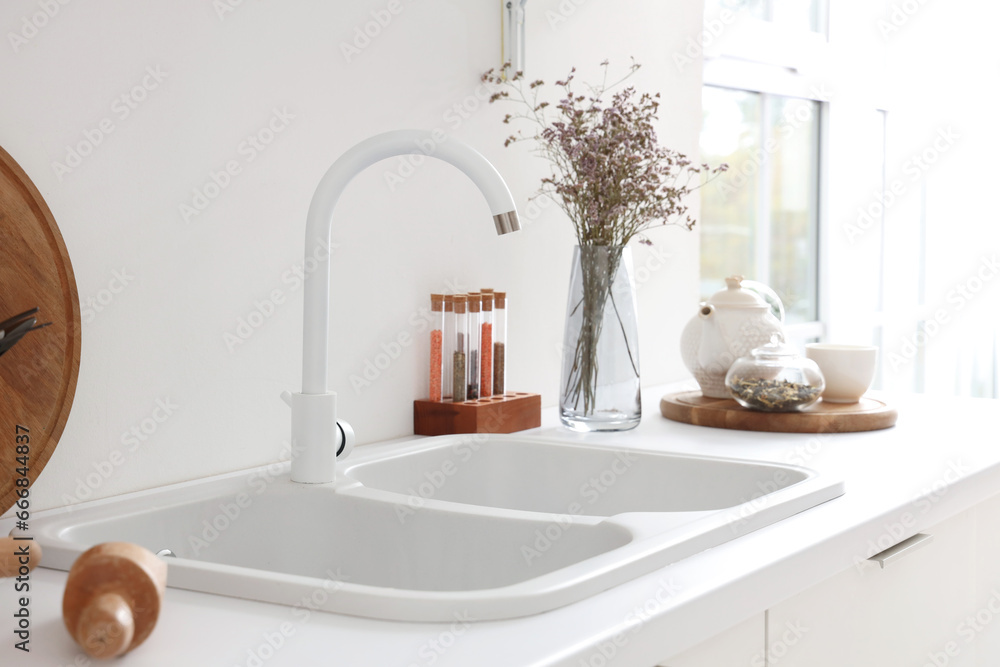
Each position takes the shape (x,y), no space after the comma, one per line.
(600,364)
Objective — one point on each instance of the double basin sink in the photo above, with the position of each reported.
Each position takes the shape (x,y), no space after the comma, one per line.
(487,526)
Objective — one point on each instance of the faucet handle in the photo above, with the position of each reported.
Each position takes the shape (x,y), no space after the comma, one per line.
(346,444)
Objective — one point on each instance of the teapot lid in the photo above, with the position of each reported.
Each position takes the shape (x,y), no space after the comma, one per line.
(735,296)
(775,348)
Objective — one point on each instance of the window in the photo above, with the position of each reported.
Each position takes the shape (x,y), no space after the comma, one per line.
(794,14)
(870,215)
(760,218)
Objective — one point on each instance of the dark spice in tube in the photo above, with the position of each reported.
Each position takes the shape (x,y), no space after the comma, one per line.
(499,369)
(458,373)
(472,350)
(460,355)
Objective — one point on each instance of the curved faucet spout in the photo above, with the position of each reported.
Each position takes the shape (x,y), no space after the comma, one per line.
(313,455)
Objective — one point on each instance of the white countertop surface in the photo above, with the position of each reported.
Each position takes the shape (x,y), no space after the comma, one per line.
(942,457)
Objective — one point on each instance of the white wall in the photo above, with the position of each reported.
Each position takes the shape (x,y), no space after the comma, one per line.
(160,340)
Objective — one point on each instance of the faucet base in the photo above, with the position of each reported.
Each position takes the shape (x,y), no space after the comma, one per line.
(317,437)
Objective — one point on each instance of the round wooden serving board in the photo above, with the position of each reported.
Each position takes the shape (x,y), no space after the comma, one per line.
(690,407)
(38,375)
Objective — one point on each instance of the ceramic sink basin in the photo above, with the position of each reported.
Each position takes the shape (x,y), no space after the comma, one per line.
(557,477)
(488,527)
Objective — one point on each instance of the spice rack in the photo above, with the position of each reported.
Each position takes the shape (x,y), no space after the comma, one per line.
(468,370)
(507,413)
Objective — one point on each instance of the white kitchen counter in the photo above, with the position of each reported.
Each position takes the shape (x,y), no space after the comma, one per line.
(942,457)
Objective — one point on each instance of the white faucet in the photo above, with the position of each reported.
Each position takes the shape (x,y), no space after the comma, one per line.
(317,437)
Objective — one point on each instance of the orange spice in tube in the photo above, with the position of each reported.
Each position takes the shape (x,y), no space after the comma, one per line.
(486,345)
(437,342)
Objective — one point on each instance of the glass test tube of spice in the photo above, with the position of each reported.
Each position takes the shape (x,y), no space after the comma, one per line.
(499,343)
(473,360)
(448,354)
(459,382)
(486,345)
(437,339)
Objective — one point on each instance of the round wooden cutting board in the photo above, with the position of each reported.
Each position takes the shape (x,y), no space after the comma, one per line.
(690,407)
(38,374)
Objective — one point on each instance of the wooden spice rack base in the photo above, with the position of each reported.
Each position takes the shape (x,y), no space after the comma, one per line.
(511,412)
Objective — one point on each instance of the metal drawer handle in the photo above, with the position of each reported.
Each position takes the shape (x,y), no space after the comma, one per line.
(898,551)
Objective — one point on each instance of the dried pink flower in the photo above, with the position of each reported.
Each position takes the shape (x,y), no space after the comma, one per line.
(609,174)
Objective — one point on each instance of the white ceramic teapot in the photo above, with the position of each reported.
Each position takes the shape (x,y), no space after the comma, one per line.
(728,326)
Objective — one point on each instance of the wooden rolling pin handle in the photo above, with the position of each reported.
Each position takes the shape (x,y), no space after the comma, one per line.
(113,596)
(106,626)
(18,557)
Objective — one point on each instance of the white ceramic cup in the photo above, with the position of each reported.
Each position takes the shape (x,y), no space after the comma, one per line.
(847,369)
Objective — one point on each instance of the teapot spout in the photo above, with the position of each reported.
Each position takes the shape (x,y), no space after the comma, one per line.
(713,353)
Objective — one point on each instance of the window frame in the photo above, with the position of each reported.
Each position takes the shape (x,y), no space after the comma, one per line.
(770,81)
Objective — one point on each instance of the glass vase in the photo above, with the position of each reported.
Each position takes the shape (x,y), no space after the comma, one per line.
(600,363)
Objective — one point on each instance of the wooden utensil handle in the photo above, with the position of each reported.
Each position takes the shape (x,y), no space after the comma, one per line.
(106,626)
(18,554)
(113,596)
